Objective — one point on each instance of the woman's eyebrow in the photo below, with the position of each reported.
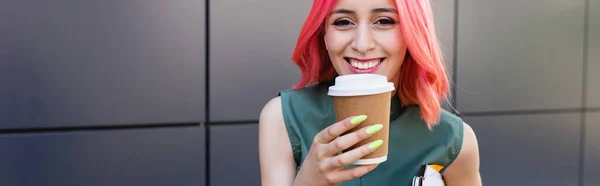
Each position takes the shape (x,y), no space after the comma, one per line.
(379,10)
(342,11)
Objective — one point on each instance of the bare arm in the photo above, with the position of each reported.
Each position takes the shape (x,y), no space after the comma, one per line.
(277,166)
(465,169)
(322,165)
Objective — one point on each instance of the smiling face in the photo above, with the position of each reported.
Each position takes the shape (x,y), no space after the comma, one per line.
(365,37)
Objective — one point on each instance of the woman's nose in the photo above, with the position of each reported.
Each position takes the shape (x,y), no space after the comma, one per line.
(363,40)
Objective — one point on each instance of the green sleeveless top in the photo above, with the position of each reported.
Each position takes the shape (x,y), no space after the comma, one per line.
(309,110)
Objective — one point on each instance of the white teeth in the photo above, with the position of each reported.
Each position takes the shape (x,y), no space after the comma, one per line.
(364,65)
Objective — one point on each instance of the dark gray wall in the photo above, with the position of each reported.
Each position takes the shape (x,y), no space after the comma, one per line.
(594,55)
(519,55)
(536,149)
(89,63)
(592,149)
(520,86)
(234,155)
(83,85)
(152,157)
(444,18)
(251,44)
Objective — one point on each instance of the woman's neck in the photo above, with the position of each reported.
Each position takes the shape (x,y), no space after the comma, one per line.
(396,81)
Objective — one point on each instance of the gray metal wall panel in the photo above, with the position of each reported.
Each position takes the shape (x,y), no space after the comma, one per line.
(234,152)
(519,54)
(593,84)
(444,19)
(149,157)
(72,62)
(443,11)
(251,44)
(528,149)
(592,149)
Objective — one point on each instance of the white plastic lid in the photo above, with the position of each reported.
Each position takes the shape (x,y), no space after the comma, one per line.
(360,84)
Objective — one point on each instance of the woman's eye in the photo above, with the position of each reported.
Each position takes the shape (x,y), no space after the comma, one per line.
(386,22)
(342,22)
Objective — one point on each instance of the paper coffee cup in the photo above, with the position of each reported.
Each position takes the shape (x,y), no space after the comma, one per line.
(367,94)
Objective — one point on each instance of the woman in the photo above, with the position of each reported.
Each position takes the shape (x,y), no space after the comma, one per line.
(298,135)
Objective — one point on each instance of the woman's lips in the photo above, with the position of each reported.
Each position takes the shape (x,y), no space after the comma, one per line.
(363,66)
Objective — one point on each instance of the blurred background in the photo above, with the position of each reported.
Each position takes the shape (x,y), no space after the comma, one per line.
(154,92)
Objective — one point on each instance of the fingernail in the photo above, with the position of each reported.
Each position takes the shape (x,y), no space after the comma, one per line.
(374,128)
(358,119)
(375,144)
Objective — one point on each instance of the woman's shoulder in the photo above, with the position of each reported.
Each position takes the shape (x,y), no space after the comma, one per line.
(311,91)
(450,119)
(313,97)
(290,112)
(292,106)
(453,128)
(271,114)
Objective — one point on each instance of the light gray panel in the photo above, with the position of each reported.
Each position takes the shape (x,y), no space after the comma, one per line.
(234,155)
(443,11)
(83,62)
(593,80)
(519,54)
(592,149)
(528,149)
(251,44)
(148,157)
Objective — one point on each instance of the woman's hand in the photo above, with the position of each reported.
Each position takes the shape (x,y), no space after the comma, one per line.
(323,166)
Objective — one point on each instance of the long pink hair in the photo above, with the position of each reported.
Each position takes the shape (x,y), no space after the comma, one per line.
(423,79)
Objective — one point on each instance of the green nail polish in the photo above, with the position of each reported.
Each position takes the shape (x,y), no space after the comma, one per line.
(375,144)
(374,128)
(358,119)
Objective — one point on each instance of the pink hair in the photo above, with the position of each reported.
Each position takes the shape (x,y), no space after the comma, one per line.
(423,79)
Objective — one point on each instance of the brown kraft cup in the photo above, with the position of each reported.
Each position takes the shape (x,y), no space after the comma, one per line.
(367,94)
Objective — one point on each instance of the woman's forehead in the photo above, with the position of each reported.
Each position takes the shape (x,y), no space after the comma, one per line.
(359,4)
